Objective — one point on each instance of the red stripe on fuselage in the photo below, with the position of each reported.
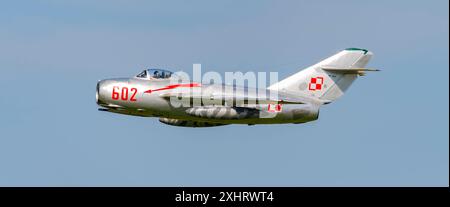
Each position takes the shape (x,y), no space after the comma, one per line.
(188,85)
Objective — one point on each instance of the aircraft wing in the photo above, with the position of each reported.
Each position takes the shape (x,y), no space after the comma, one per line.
(239,99)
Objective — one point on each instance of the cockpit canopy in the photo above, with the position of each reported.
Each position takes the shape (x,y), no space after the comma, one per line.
(155,73)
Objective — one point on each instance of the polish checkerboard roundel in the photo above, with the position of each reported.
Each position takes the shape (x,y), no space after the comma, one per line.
(315,84)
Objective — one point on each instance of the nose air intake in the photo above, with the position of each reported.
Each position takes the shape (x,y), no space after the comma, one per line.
(96,93)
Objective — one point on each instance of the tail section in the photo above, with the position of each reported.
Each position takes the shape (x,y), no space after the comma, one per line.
(330,78)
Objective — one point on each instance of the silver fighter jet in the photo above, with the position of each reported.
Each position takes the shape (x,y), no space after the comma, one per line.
(296,99)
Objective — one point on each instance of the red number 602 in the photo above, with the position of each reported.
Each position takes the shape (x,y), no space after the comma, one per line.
(123,94)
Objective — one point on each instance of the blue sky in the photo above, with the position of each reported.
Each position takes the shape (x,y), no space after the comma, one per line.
(390,128)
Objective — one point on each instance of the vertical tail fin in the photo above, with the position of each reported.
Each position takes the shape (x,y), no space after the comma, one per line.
(330,78)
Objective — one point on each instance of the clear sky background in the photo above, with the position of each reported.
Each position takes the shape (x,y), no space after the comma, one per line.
(390,128)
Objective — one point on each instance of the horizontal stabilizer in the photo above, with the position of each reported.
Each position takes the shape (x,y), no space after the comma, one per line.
(359,71)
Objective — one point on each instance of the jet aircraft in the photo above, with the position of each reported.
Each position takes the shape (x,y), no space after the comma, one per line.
(297,99)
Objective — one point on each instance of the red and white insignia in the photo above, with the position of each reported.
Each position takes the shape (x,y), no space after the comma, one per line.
(315,84)
(274,108)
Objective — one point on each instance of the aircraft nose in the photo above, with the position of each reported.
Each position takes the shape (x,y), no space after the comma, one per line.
(97,91)
(102,90)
